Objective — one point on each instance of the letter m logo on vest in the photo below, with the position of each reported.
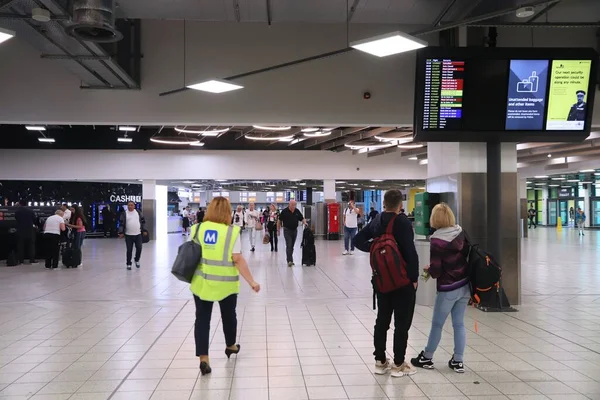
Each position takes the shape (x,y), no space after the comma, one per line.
(210,237)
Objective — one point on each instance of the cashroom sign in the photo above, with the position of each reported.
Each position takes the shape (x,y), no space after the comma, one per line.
(114,198)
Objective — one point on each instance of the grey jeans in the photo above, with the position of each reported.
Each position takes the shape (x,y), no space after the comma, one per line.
(290,236)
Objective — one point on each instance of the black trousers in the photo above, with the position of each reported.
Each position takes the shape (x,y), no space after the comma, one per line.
(26,242)
(273,239)
(130,240)
(532,221)
(400,303)
(290,236)
(202,326)
(51,249)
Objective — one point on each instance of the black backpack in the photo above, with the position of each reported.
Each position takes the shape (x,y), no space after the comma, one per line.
(484,270)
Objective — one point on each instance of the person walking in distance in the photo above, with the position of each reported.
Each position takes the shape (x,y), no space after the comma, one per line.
(132,223)
(252,218)
(272,221)
(399,302)
(580,221)
(185,221)
(448,264)
(77,223)
(372,214)
(26,230)
(53,227)
(108,220)
(200,216)
(290,218)
(532,213)
(350,227)
(217,278)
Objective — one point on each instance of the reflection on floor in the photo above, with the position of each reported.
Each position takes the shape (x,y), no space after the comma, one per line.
(102,332)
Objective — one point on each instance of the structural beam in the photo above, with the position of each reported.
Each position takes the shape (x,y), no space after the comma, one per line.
(360,136)
(352,10)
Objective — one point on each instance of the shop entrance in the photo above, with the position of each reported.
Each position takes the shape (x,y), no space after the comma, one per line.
(561,208)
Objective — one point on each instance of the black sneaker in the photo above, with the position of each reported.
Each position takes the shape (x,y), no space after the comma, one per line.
(456,366)
(128,267)
(422,362)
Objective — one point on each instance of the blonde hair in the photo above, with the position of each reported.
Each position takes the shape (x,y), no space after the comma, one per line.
(442,217)
(218,211)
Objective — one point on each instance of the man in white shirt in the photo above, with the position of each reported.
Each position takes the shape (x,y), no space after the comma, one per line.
(350,227)
(53,227)
(132,223)
(185,221)
(252,218)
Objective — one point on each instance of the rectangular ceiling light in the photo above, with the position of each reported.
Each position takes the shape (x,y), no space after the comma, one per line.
(388,44)
(35,128)
(46,140)
(125,139)
(6,34)
(215,86)
(127,128)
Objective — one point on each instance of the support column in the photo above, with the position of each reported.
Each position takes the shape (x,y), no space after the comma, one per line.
(523,206)
(329,191)
(587,205)
(309,204)
(458,172)
(149,206)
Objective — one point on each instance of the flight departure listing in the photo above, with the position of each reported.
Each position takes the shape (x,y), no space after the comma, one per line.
(444,80)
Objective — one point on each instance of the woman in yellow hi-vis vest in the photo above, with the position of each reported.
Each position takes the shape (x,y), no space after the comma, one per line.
(217,277)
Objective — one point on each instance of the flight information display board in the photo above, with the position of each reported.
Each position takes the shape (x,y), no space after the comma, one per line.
(443,94)
(504,94)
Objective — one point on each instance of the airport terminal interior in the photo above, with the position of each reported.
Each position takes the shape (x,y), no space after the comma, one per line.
(110,111)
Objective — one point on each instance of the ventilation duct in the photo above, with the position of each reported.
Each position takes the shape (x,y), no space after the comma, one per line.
(94,21)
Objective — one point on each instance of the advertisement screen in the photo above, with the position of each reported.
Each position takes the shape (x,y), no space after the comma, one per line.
(567,97)
(526,94)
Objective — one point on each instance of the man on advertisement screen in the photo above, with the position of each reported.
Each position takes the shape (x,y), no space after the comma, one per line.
(577,112)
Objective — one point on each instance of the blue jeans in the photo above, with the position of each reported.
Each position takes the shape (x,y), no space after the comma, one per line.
(349,234)
(454,302)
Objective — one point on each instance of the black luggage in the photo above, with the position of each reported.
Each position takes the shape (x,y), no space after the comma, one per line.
(309,252)
(71,257)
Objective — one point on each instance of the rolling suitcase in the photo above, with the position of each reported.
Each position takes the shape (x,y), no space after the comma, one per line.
(309,252)
(71,257)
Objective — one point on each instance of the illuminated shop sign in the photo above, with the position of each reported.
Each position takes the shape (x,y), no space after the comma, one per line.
(124,198)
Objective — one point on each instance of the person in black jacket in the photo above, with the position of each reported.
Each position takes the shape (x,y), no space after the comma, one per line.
(26,230)
(400,302)
(108,219)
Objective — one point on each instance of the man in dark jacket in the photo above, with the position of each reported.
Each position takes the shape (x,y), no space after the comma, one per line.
(400,302)
(26,230)
(108,219)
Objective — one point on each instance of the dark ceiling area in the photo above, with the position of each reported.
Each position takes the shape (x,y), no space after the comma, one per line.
(357,139)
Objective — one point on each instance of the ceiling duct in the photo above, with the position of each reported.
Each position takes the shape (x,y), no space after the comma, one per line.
(94,21)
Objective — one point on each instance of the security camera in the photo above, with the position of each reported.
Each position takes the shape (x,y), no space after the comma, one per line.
(366,95)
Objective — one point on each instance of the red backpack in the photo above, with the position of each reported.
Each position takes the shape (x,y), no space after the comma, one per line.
(387,263)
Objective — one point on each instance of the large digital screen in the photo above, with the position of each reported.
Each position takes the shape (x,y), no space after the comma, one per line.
(504,94)
(569,84)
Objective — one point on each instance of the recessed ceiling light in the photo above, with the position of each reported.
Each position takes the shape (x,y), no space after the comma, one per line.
(308,130)
(541,177)
(423,162)
(586,182)
(588,170)
(388,44)
(549,155)
(46,140)
(413,158)
(566,187)
(294,180)
(174,140)
(272,128)
(286,139)
(269,138)
(127,128)
(553,185)
(541,184)
(259,182)
(197,144)
(410,146)
(221,180)
(125,139)
(318,134)
(188,182)
(203,132)
(376,180)
(340,181)
(35,128)
(558,179)
(6,34)
(528,182)
(573,180)
(215,86)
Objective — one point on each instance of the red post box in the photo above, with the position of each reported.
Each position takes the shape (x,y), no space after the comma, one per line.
(333,221)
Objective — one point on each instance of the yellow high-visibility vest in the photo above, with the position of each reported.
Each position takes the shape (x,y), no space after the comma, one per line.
(216,276)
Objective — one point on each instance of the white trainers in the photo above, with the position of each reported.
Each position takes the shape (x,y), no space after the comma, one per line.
(345,253)
(403,370)
(351,252)
(382,368)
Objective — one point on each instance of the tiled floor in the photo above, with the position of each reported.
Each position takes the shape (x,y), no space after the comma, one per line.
(102,332)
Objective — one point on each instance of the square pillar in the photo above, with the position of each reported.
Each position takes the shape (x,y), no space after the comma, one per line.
(329,190)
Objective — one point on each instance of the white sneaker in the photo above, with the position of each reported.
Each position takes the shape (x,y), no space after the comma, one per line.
(403,370)
(382,368)
(351,253)
(345,253)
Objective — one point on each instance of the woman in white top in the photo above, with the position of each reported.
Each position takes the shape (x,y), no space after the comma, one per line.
(53,227)
(252,218)
(350,227)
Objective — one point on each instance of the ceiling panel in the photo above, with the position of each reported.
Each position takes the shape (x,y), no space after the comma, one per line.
(309,10)
(205,10)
